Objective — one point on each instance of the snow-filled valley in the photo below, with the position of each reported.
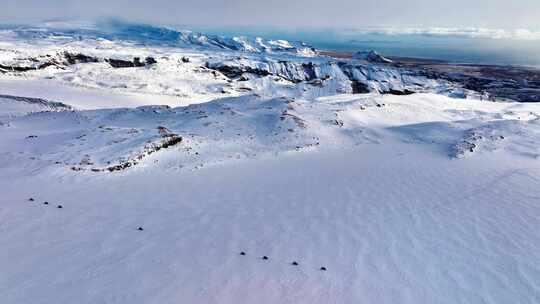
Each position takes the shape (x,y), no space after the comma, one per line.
(148,165)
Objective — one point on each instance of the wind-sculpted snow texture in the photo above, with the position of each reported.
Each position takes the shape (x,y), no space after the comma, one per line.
(149,165)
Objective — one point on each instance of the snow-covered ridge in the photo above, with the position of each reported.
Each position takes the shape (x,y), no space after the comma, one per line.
(148,34)
(13,106)
(331,77)
(252,127)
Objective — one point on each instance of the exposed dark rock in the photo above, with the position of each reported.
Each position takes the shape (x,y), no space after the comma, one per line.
(338,122)
(243,78)
(150,61)
(120,63)
(173,140)
(398,92)
(6,68)
(309,71)
(169,140)
(66,59)
(164,132)
(237,71)
(79,58)
(244,89)
(359,87)
(61,60)
(290,71)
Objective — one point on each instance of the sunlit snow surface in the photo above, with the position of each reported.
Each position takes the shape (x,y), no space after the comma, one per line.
(404,199)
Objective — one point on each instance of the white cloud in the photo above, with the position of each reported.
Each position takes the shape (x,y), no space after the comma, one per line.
(517,34)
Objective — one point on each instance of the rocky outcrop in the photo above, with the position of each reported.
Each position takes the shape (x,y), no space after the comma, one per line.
(60,60)
(236,71)
(65,59)
(168,140)
(292,71)
(119,63)
(359,87)
(7,68)
(399,92)
(79,58)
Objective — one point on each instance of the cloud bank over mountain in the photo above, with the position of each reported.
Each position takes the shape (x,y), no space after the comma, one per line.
(485,33)
(289,14)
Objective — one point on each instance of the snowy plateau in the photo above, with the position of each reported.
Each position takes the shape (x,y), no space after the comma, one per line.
(141,164)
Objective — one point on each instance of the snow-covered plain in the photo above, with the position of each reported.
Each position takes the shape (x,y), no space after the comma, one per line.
(421,198)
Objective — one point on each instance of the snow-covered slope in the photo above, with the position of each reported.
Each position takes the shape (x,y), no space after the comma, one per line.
(169,181)
(374,193)
(12,106)
(253,127)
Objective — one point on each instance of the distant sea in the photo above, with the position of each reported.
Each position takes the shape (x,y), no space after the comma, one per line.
(450,48)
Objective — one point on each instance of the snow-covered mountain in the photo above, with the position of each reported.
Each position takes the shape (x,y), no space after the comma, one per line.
(149,165)
(371,56)
(185,66)
(152,35)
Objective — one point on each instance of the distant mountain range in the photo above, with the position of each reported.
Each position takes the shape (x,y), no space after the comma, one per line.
(148,34)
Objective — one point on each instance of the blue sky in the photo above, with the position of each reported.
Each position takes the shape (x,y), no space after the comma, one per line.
(288,13)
